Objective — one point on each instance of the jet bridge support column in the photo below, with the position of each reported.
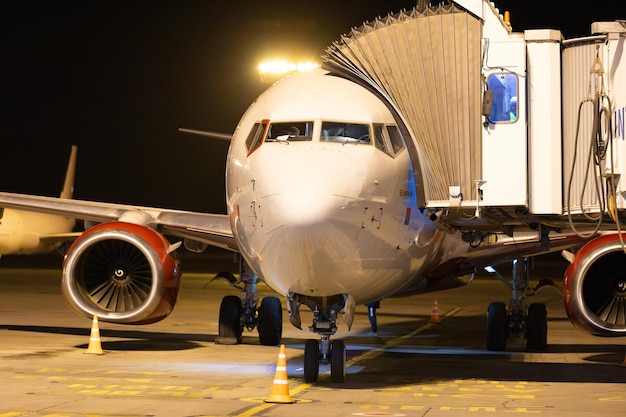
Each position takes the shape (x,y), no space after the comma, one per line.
(543,48)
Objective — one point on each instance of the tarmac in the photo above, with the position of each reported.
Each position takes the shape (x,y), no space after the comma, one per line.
(415,365)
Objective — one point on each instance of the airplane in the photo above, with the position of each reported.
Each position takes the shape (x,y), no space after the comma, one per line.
(331,201)
(27,233)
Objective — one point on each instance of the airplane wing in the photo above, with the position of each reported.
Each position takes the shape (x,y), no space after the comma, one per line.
(212,229)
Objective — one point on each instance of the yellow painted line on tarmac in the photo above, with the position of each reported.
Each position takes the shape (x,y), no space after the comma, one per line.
(619,398)
(371,354)
(368,355)
(137,386)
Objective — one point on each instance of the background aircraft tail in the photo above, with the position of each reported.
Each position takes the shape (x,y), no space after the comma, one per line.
(68,185)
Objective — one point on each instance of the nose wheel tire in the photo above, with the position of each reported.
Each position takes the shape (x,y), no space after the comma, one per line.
(337,358)
(311,360)
(337,361)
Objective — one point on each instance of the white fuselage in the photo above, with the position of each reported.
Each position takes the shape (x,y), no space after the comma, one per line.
(321,216)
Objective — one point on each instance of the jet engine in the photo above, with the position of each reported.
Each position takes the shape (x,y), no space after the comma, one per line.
(123,273)
(595,287)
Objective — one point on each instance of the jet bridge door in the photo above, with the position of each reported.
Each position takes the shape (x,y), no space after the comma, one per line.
(504,178)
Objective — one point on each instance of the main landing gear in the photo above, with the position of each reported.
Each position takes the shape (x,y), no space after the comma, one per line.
(516,322)
(238,313)
(324,352)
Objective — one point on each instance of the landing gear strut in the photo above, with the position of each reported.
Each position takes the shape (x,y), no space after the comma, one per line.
(516,322)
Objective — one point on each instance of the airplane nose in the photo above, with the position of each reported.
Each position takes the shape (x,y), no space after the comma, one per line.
(302,206)
(309,195)
(309,199)
(307,217)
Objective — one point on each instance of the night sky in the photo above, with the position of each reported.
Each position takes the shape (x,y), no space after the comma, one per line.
(118,78)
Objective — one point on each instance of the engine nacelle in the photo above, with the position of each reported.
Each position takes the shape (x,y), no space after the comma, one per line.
(595,287)
(122,272)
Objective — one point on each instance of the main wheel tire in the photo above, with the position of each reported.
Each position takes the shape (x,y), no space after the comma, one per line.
(496,326)
(337,361)
(311,360)
(270,324)
(230,320)
(537,328)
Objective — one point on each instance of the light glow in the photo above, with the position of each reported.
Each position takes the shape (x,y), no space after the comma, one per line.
(281,67)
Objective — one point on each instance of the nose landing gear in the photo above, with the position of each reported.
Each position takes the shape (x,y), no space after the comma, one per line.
(324,352)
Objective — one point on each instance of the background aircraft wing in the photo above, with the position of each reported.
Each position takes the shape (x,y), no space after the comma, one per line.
(212,229)
(52,238)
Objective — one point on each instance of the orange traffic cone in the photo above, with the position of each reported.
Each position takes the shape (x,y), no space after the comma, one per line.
(94,339)
(280,388)
(434,316)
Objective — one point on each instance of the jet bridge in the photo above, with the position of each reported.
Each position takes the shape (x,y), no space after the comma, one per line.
(506,130)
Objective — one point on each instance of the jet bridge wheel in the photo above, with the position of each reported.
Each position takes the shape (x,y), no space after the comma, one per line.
(537,328)
(270,323)
(230,321)
(496,326)
(311,360)
(337,361)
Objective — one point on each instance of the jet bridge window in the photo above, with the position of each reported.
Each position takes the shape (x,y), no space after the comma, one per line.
(504,91)
(290,131)
(345,132)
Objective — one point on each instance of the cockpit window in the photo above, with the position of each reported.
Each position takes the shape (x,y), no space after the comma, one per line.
(379,139)
(388,139)
(345,132)
(290,131)
(256,135)
(397,142)
(385,137)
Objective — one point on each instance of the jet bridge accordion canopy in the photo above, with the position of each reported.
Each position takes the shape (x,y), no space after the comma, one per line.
(426,64)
